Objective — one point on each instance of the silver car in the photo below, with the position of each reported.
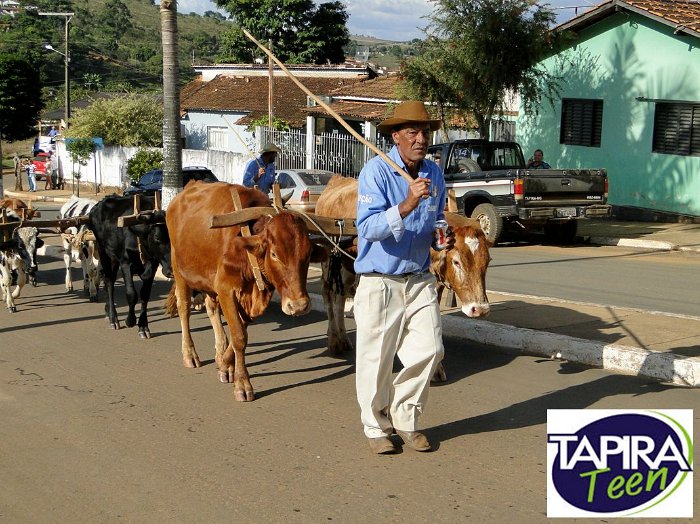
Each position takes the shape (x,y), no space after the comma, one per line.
(300,188)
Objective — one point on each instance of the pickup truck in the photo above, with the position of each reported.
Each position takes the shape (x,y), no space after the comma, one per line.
(492,184)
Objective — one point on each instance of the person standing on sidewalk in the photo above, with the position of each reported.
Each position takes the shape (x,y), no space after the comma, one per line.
(31,170)
(396,306)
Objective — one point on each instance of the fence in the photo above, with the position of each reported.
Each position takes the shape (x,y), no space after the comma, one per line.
(334,152)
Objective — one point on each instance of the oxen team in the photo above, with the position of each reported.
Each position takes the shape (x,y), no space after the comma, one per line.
(237,274)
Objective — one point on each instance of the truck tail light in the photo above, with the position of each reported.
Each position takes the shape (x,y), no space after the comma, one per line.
(518,188)
(305,195)
(605,191)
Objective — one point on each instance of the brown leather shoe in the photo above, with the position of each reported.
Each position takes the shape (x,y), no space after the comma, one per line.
(414,440)
(382,445)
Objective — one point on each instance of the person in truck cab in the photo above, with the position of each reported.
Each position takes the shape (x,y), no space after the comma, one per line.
(537,162)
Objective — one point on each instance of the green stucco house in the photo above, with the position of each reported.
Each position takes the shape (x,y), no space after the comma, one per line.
(629,102)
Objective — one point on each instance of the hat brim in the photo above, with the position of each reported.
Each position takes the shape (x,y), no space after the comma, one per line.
(390,123)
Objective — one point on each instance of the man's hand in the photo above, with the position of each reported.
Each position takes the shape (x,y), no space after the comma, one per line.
(418,189)
(261,172)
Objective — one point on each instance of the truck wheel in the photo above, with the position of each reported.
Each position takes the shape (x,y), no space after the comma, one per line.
(491,223)
(561,232)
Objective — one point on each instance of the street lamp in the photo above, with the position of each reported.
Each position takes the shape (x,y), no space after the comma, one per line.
(66,59)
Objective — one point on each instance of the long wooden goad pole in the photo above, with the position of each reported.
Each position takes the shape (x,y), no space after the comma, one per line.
(325,106)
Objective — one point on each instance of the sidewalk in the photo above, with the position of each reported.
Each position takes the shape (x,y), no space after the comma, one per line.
(661,347)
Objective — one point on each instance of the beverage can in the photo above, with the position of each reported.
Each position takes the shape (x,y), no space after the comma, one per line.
(440,241)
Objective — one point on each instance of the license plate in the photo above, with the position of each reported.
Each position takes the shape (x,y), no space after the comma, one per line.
(566,212)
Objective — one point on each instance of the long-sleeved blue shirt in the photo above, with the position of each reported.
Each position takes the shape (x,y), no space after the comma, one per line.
(386,242)
(266,180)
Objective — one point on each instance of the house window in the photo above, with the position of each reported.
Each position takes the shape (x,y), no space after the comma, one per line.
(581,122)
(677,129)
(217,138)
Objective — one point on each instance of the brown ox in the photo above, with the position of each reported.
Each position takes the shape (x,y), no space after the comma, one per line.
(462,269)
(215,261)
(20,209)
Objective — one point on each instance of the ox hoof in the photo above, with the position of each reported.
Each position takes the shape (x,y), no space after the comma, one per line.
(225,377)
(13,309)
(93,299)
(192,362)
(130,322)
(144,334)
(440,374)
(114,325)
(244,396)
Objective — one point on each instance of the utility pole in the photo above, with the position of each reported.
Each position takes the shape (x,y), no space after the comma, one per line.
(66,59)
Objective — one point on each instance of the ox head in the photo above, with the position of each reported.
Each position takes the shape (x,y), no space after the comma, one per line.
(28,242)
(157,240)
(463,269)
(283,249)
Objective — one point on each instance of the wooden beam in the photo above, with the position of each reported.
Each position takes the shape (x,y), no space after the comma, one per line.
(60,223)
(245,231)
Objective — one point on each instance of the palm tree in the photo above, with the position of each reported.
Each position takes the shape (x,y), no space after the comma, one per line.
(172,148)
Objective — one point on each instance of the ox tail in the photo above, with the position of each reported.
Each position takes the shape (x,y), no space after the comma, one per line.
(171,302)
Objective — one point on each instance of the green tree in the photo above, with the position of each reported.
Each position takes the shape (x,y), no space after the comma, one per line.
(479,51)
(80,151)
(115,20)
(131,120)
(20,101)
(143,161)
(300,31)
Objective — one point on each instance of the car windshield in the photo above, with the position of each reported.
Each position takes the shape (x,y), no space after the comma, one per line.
(152,177)
(315,179)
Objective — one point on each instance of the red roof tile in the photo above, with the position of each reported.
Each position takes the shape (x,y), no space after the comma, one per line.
(249,95)
(682,15)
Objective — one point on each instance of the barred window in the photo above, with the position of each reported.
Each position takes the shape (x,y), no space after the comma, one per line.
(677,128)
(217,138)
(581,122)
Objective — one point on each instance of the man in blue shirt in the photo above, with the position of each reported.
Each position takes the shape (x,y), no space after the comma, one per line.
(396,306)
(260,171)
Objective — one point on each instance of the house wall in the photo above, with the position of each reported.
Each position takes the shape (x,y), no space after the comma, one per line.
(619,59)
(195,130)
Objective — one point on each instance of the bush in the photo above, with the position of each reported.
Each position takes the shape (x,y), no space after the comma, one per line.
(143,161)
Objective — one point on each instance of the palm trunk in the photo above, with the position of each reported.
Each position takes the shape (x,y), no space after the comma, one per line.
(2,187)
(172,147)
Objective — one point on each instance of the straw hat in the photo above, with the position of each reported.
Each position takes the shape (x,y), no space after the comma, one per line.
(412,111)
(269,148)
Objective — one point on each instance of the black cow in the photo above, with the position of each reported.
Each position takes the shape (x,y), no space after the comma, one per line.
(137,250)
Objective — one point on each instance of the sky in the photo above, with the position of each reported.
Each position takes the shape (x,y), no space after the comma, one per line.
(398,20)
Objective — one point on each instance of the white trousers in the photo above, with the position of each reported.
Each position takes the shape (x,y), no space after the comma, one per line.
(395,316)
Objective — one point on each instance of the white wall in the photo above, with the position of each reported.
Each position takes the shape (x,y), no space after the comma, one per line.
(107,167)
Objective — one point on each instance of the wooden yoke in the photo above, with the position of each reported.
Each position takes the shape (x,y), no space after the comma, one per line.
(245,231)
(138,216)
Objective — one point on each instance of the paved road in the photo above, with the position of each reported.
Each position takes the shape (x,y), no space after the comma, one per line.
(655,281)
(99,426)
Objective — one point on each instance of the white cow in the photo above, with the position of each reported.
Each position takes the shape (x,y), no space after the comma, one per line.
(79,245)
(18,263)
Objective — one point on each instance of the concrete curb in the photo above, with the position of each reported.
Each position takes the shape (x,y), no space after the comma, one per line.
(663,366)
(656,245)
